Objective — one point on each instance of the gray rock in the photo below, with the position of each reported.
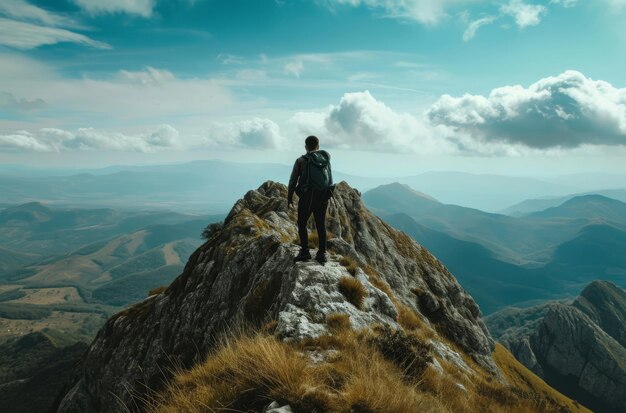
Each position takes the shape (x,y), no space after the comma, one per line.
(574,348)
(245,275)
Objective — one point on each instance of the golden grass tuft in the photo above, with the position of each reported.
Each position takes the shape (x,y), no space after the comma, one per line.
(408,319)
(349,263)
(338,321)
(157,290)
(353,290)
(247,373)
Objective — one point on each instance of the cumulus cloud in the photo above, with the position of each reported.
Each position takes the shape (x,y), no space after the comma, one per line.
(422,11)
(254,133)
(564,111)
(473,27)
(141,8)
(59,140)
(362,122)
(524,14)
(8,101)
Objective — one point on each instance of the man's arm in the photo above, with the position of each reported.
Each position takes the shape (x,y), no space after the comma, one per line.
(293,181)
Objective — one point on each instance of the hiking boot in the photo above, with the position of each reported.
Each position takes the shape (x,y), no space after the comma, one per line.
(321,258)
(304,255)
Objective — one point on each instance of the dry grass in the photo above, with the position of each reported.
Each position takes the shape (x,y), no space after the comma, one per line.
(157,290)
(353,290)
(350,264)
(408,319)
(248,373)
(338,322)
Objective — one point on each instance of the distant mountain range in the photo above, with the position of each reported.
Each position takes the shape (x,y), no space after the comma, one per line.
(534,205)
(505,260)
(212,186)
(579,347)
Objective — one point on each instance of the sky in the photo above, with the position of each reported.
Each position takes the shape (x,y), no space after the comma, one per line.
(391,87)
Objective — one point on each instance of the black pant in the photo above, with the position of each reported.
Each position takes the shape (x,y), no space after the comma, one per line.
(312,201)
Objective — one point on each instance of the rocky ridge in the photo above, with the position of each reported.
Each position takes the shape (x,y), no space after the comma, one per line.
(244,275)
(578,348)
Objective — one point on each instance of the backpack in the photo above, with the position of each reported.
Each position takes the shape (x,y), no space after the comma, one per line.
(318,173)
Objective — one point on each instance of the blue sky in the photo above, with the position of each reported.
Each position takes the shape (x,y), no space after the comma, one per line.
(518,87)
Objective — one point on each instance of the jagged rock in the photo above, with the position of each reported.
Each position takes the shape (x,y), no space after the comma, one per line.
(571,345)
(605,304)
(578,348)
(522,351)
(245,274)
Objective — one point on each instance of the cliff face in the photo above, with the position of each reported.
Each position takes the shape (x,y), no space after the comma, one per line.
(245,275)
(579,348)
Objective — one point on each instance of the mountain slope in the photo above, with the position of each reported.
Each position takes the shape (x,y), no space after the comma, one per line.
(530,206)
(587,207)
(33,370)
(511,239)
(245,274)
(577,348)
(492,282)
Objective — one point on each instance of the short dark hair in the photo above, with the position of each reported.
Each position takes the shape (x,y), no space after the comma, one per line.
(312,143)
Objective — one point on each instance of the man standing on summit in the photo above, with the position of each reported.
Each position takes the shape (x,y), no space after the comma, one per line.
(312,180)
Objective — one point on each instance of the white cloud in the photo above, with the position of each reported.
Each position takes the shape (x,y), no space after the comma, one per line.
(360,121)
(148,77)
(141,8)
(524,14)
(129,98)
(21,10)
(58,140)
(254,133)
(564,111)
(565,3)
(473,27)
(295,68)
(423,11)
(23,35)
(25,26)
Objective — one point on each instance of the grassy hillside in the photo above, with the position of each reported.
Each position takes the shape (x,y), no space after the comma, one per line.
(358,372)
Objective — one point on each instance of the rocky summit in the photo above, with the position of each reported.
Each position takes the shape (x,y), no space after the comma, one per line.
(244,277)
(579,348)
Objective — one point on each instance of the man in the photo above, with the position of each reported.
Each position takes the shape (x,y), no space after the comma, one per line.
(312,180)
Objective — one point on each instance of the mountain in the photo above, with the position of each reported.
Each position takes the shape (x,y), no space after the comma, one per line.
(492,282)
(121,270)
(33,370)
(382,327)
(11,260)
(587,207)
(515,240)
(43,231)
(577,348)
(595,246)
(529,206)
(487,192)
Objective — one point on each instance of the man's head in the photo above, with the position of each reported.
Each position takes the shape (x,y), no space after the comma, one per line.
(312,143)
